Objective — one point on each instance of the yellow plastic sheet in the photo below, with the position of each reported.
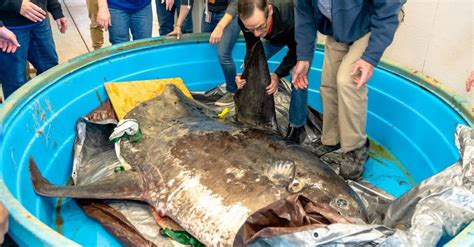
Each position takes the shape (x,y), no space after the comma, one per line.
(126,95)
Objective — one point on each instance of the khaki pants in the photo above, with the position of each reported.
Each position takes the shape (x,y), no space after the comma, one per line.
(97,33)
(344,107)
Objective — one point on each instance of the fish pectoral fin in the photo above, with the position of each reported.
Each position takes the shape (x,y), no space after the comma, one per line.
(281,172)
(126,185)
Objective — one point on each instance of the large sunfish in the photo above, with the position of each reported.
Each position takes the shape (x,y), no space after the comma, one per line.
(210,175)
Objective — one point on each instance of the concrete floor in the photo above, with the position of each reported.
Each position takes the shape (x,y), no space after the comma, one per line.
(77,40)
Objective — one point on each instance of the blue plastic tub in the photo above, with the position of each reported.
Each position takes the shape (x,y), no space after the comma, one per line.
(411,118)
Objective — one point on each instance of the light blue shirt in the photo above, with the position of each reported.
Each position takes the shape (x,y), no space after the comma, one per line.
(325,7)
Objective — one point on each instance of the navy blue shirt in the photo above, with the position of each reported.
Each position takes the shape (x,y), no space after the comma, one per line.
(128,5)
(350,21)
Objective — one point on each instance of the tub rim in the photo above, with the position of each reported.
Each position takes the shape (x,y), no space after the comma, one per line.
(47,235)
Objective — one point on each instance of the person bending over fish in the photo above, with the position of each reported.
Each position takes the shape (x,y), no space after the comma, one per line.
(274,24)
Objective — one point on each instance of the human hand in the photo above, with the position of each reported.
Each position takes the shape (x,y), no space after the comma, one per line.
(32,11)
(8,41)
(470,81)
(3,222)
(62,24)
(239,81)
(273,87)
(216,35)
(300,75)
(176,32)
(168,4)
(366,70)
(103,18)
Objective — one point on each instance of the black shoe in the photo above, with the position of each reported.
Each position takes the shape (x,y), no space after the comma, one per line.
(350,164)
(226,100)
(320,149)
(293,134)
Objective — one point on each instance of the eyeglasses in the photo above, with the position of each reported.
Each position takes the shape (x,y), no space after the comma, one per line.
(260,28)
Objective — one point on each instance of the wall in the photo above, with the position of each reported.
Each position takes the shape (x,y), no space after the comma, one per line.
(437,39)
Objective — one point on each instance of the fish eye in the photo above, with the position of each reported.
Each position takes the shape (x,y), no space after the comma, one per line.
(341,203)
(320,233)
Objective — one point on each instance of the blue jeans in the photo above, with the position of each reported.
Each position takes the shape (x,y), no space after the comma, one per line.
(225,47)
(37,46)
(166,18)
(299,97)
(139,23)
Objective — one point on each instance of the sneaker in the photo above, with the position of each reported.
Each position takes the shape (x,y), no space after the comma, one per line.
(226,100)
(320,149)
(350,164)
(293,134)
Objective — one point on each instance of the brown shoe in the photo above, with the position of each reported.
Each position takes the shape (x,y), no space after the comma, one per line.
(350,164)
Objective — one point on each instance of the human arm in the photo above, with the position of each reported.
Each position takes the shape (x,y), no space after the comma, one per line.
(305,35)
(183,13)
(103,15)
(218,31)
(8,41)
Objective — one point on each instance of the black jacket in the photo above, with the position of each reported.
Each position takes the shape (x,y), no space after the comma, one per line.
(283,33)
(10,11)
(229,6)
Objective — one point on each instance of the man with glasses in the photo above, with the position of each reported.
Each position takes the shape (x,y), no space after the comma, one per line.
(273,23)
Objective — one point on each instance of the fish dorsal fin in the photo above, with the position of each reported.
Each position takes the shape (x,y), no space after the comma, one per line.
(252,103)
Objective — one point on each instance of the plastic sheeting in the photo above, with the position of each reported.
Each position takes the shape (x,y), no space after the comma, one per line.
(438,207)
(375,200)
(94,154)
